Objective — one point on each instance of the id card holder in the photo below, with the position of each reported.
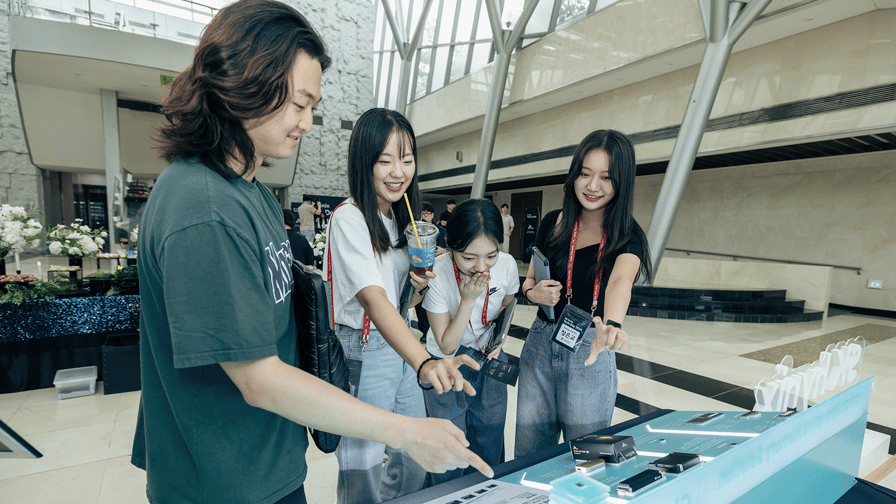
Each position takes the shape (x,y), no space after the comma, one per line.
(569,331)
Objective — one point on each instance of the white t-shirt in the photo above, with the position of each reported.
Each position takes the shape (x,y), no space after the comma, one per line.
(444,297)
(355,265)
(508,223)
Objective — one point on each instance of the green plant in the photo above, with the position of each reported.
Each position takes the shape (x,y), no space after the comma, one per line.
(17,294)
(100,276)
(125,279)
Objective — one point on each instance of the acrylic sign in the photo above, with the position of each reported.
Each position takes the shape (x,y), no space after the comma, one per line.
(837,367)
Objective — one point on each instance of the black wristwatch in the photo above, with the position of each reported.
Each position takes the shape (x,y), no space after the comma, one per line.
(423,292)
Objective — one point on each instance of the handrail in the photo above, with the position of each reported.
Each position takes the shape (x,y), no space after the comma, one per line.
(178,20)
(786,261)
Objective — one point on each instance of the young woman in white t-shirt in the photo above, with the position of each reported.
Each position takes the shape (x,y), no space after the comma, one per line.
(367,261)
(474,282)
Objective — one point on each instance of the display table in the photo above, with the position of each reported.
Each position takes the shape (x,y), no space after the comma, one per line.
(810,457)
(39,337)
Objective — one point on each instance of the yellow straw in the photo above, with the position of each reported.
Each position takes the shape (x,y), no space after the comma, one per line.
(406,200)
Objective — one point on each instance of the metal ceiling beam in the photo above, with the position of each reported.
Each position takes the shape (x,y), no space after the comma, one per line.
(406,49)
(724,23)
(505,40)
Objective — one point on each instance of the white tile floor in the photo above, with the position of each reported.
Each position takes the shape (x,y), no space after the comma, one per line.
(86,441)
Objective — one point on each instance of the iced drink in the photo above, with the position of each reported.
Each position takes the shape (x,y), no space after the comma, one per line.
(422,254)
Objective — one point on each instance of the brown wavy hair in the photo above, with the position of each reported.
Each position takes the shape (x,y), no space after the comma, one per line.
(241,71)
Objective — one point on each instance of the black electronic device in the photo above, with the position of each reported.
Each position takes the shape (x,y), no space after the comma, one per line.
(675,462)
(703,418)
(612,449)
(787,414)
(542,272)
(638,482)
(404,300)
(750,414)
(500,328)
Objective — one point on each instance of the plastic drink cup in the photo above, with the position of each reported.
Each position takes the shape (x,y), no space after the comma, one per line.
(423,253)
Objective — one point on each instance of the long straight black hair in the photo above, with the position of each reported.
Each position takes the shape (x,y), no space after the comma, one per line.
(470,220)
(369,138)
(618,221)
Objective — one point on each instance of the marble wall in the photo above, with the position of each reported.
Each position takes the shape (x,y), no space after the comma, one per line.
(347,88)
(812,284)
(21,183)
(837,210)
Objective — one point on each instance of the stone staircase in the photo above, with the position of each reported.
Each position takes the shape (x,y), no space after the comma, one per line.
(762,306)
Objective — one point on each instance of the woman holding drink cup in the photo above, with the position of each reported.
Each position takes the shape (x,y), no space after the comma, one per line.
(367,260)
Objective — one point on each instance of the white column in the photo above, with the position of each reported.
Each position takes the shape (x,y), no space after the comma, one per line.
(112,150)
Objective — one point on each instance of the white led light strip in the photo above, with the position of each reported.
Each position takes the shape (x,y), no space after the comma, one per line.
(703,433)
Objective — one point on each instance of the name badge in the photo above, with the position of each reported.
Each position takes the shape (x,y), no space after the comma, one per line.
(569,331)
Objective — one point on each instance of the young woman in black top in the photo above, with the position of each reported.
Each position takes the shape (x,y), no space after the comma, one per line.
(561,390)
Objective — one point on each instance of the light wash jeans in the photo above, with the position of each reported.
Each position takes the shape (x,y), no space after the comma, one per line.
(558,393)
(386,382)
(309,235)
(480,417)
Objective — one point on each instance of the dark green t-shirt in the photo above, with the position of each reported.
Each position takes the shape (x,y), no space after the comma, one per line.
(215,286)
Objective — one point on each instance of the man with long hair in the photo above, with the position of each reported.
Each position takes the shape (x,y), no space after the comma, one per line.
(223,406)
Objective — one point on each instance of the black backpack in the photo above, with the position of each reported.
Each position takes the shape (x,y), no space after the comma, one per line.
(318,348)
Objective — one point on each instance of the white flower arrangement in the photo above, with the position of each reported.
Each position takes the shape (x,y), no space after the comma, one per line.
(75,241)
(319,245)
(134,235)
(18,227)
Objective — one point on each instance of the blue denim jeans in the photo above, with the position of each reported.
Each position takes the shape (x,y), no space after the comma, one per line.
(480,417)
(309,235)
(558,393)
(386,382)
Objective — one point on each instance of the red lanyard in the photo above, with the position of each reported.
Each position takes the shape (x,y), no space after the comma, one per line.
(365,332)
(572,257)
(485,321)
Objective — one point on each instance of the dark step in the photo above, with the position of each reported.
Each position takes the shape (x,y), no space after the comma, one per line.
(740,294)
(783,318)
(760,306)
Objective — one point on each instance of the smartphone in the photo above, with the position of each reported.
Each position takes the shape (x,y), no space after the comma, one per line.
(703,418)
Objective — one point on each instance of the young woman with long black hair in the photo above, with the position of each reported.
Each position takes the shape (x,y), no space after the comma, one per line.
(474,282)
(367,262)
(596,251)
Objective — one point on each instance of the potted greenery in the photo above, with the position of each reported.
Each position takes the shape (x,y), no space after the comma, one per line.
(61,287)
(125,282)
(100,283)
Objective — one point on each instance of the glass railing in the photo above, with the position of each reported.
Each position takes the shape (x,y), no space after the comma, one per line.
(177,20)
